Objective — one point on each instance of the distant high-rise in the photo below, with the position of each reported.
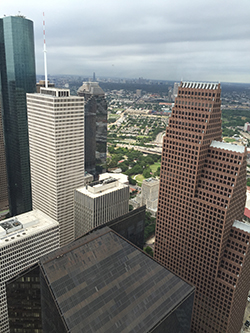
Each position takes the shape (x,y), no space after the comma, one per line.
(18,77)
(41,84)
(56,135)
(95,126)
(202,196)
(175,90)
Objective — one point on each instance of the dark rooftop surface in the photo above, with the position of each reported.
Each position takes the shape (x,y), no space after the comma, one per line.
(102,283)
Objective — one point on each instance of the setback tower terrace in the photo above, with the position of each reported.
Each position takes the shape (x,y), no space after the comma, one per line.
(202,196)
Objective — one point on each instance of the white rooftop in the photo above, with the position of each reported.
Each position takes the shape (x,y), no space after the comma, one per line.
(119,176)
(25,225)
(242,226)
(96,190)
(227,146)
(151,181)
(199,85)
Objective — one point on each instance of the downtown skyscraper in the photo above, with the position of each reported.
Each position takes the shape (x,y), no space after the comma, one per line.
(95,127)
(17,77)
(56,137)
(199,233)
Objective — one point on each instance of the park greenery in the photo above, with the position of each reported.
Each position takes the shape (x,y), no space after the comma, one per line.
(235,117)
(133,162)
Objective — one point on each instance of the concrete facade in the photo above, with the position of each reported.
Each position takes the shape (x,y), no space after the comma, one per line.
(56,135)
(149,194)
(98,203)
(23,240)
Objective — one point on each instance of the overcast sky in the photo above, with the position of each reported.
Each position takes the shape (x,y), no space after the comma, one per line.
(153,39)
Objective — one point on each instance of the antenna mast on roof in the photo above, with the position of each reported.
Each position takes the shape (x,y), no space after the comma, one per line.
(44,52)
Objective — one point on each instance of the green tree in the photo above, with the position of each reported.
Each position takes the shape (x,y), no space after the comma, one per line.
(157,172)
(131,181)
(149,251)
(146,172)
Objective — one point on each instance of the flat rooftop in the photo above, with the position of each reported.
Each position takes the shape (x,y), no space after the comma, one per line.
(23,226)
(228,146)
(119,176)
(101,187)
(103,283)
(242,226)
(151,181)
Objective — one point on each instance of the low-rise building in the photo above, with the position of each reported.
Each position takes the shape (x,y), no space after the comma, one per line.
(149,194)
(99,202)
(23,240)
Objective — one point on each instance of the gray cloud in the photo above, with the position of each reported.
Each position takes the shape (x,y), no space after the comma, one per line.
(157,39)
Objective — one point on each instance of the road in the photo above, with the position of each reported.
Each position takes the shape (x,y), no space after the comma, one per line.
(145,150)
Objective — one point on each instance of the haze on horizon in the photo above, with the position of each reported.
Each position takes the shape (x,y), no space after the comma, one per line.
(160,39)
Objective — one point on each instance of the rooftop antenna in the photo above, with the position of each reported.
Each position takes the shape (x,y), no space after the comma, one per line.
(44,52)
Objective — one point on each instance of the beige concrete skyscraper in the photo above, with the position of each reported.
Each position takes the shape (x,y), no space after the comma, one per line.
(99,202)
(56,135)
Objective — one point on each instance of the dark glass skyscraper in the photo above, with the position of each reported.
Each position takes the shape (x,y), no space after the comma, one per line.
(95,127)
(18,77)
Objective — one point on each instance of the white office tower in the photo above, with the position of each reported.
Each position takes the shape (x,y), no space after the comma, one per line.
(149,194)
(56,138)
(23,240)
(99,202)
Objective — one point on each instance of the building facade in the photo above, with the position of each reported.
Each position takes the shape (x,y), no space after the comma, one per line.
(18,77)
(56,135)
(103,283)
(4,202)
(149,194)
(23,240)
(95,127)
(247,127)
(98,203)
(202,196)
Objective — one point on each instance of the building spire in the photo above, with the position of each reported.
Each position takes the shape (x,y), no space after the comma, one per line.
(45,51)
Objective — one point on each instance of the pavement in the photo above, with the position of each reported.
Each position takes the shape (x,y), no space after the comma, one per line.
(151,242)
(246,317)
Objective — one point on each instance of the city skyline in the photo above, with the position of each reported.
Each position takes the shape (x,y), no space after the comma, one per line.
(160,40)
